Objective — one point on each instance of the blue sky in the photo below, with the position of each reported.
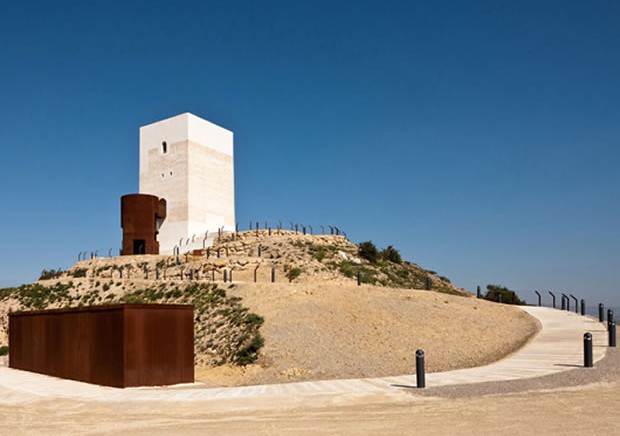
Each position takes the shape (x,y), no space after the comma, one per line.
(479,138)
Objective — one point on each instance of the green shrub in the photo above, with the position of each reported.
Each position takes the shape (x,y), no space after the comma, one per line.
(50,274)
(294,273)
(390,253)
(508,296)
(369,251)
(403,274)
(249,353)
(78,272)
(4,350)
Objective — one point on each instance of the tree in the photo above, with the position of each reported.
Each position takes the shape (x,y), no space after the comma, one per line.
(499,292)
(390,253)
(369,251)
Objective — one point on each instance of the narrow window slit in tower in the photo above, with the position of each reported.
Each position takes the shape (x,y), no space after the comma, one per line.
(164,147)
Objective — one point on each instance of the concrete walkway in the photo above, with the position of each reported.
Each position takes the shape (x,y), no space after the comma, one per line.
(557,347)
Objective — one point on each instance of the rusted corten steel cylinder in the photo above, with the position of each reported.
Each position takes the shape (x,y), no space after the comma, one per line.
(141,216)
(117,345)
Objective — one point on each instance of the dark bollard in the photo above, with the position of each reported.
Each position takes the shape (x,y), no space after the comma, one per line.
(419,369)
(477,291)
(539,298)
(553,297)
(601,312)
(359,278)
(225,276)
(428,283)
(218,253)
(259,250)
(208,252)
(587,350)
(583,307)
(610,317)
(612,334)
(273,275)
(269,231)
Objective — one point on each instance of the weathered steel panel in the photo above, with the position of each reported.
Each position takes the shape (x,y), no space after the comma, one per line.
(120,345)
(159,346)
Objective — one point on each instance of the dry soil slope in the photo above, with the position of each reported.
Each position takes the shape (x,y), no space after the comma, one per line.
(324,331)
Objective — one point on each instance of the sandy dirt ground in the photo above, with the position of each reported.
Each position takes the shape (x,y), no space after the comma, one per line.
(584,410)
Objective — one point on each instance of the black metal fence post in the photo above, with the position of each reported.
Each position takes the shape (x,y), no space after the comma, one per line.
(273,275)
(419,369)
(477,291)
(576,303)
(553,297)
(601,312)
(359,278)
(539,298)
(612,334)
(587,350)
(583,307)
(610,317)
(428,283)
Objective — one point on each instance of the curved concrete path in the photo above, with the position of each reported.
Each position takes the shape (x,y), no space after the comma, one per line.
(557,347)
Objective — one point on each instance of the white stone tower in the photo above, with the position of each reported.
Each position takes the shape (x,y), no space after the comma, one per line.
(189,162)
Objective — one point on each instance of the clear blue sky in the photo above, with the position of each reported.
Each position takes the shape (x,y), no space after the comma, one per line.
(482,139)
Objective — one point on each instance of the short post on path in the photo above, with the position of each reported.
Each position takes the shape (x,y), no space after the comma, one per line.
(419,369)
(587,350)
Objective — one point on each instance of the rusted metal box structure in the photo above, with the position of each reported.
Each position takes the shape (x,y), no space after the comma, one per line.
(117,345)
(141,217)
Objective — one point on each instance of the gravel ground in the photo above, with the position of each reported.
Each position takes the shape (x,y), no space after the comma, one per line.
(605,370)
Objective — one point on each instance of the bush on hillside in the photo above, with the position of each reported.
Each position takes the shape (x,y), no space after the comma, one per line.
(508,296)
(369,251)
(50,274)
(390,253)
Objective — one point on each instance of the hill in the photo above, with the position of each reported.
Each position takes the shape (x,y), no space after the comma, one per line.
(311,322)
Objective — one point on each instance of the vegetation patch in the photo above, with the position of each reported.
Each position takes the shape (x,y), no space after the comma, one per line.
(225,331)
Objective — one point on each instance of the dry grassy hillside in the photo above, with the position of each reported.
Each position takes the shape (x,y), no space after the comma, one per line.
(314,321)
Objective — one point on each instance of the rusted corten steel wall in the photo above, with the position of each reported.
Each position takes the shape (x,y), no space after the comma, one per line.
(118,345)
(141,215)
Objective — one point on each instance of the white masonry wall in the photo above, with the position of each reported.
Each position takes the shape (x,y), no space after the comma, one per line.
(195,175)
